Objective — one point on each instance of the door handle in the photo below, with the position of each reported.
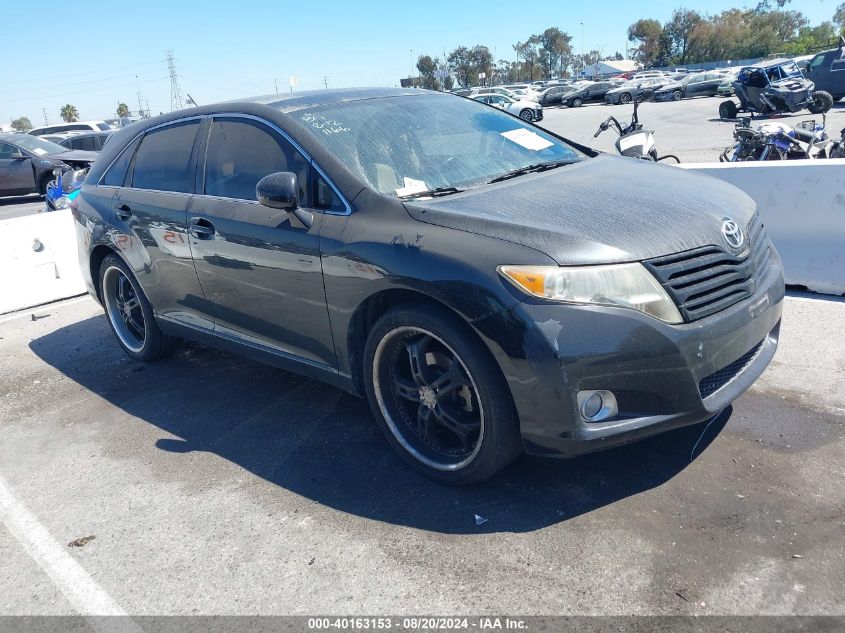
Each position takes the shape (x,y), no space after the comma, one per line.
(124,212)
(200,228)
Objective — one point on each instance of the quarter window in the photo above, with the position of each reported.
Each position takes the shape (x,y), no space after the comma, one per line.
(6,151)
(242,151)
(163,160)
(116,175)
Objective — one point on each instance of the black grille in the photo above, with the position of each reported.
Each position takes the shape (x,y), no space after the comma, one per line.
(705,280)
(711,384)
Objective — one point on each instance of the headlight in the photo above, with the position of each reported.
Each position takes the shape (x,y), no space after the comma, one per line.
(626,285)
(62,203)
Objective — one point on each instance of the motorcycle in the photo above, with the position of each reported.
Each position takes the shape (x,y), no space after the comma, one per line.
(635,141)
(778,141)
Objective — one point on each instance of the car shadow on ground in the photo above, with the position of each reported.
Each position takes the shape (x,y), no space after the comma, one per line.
(12,200)
(323,444)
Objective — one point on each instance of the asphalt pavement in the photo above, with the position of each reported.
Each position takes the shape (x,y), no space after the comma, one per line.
(19,206)
(209,484)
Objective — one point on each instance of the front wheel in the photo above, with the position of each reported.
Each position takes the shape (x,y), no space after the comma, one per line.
(625,98)
(438,396)
(130,314)
(577,102)
(822,101)
(677,95)
(727,110)
(526,115)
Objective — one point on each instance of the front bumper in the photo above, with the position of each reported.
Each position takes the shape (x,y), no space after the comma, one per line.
(538,114)
(663,96)
(662,375)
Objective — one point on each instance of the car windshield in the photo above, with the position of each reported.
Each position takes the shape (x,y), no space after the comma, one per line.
(39,146)
(407,145)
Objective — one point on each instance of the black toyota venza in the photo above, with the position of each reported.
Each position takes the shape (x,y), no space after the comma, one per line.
(488,286)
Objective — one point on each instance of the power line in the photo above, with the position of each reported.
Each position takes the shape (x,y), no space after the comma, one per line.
(79,92)
(175,91)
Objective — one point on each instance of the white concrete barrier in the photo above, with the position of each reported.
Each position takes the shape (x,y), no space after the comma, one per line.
(38,260)
(802,203)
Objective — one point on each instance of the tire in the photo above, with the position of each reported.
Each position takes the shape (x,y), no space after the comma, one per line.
(822,102)
(727,109)
(677,95)
(130,314)
(625,98)
(454,423)
(526,115)
(577,102)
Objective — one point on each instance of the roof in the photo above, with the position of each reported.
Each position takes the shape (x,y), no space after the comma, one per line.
(622,65)
(290,102)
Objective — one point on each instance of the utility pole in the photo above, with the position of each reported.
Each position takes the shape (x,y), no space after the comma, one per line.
(276,84)
(44,111)
(175,91)
(326,82)
(583,60)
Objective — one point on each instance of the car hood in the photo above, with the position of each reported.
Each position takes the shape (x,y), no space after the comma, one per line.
(76,156)
(601,210)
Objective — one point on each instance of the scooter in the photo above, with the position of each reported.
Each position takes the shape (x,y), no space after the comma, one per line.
(635,141)
(61,191)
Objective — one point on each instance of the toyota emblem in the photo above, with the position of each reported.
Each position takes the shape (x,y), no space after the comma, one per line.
(733,233)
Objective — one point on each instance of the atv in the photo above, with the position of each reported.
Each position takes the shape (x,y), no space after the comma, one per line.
(775,86)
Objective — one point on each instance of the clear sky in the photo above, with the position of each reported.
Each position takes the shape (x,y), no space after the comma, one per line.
(95,54)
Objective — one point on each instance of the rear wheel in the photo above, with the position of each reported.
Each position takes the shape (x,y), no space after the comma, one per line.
(625,97)
(438,397)
(822,101)
(130,314)
(526,115)
(727,110)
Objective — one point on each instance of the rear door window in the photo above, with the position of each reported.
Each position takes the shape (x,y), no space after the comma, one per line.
(242,151)
(163,161)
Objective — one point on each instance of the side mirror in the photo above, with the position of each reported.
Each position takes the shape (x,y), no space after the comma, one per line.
(18,156)
(279,190)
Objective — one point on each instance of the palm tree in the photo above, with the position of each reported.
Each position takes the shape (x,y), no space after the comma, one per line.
(122,110)
(69,113)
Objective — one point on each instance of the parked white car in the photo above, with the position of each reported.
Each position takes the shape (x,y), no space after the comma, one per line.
(524,109)
(76,126)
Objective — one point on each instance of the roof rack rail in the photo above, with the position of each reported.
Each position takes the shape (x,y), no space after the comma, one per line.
(833,42)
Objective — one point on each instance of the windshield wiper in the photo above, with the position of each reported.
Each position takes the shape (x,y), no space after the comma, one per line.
(536,167)
(432,193)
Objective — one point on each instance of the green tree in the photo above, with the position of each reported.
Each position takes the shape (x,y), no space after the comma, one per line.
(839,16)
(679,29)
(557,47)
(649,36)
(69,113)
(461,63)
(22,124)
(122,110)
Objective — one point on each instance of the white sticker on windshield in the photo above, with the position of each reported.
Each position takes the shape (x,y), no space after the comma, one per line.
(527,138)
(411,186)
(40,151)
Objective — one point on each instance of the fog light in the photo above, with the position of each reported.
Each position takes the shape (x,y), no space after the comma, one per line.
(597,405)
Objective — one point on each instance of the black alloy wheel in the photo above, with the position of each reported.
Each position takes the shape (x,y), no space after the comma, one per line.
(438,397)
(129,313)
